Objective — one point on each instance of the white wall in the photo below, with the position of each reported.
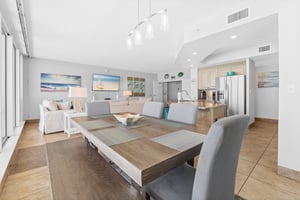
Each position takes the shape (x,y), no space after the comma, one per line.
(187,83)
(266,98)
(34,67)
(289,85)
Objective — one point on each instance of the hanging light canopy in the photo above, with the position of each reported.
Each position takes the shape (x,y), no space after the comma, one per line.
(134,37)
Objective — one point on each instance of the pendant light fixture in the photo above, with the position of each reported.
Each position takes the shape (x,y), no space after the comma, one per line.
(134,37)
(149,30)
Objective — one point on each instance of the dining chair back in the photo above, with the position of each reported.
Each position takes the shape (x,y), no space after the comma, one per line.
(97,108)
(214,178)
(153,109)
(185,113)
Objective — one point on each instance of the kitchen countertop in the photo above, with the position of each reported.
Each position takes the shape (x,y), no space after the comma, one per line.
(216,111)
(203,105)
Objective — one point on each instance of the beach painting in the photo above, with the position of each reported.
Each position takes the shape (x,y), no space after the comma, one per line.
(103,82)
(137,86)
(268,79)
(58,82)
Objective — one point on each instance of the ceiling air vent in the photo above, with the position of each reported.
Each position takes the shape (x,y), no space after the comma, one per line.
(264,48)
(238,16)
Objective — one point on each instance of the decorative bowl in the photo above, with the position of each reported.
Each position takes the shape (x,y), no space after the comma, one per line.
(127,118)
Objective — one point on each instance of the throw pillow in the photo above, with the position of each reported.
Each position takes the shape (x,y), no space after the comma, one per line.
(50,105)
(63,105)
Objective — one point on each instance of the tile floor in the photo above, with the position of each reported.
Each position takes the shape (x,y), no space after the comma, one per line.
(256,176)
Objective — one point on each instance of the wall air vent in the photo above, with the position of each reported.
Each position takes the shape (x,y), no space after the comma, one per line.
(238,16)
(264,48)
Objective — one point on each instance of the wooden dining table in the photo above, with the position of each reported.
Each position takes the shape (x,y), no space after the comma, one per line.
(143,151)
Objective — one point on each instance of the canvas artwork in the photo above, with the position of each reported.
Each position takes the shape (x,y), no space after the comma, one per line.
(268,79)
(137,86)
(58,82)
(103,82)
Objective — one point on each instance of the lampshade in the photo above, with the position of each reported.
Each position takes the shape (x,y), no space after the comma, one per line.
(127,93)
(77,92)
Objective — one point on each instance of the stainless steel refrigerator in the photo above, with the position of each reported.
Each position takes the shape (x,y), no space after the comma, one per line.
(231,91)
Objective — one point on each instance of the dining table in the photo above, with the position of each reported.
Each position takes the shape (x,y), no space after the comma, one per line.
(145,150)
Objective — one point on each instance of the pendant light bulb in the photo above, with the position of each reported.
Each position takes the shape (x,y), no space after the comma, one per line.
(149,31)
(164,21)
(137,37)
(129,42)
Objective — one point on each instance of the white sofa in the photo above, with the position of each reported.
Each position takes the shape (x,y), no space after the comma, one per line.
(52,120)
(134,106)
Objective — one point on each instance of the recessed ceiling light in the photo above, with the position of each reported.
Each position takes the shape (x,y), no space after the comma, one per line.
(195,53)
(233,37)
(189,60)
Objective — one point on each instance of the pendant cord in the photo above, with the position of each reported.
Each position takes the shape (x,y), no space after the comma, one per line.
(138,11)
(149,7)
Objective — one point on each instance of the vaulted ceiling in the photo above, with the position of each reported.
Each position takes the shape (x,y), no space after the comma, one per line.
(94,31)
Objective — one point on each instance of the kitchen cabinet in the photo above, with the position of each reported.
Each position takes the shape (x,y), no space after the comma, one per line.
(239,69)
(207,78)
(222,71)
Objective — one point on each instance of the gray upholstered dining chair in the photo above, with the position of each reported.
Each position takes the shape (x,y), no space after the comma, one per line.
(97,108)
(153,109)
(185,113)
(214,178)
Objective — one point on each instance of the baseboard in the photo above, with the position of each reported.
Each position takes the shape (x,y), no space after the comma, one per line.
(289,173)
(32,120)
(266,120)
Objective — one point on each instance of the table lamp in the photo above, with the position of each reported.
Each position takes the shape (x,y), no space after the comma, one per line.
(77,93)
(127,93)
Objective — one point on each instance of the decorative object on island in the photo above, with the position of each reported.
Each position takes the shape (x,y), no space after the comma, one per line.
(137,86)
(135,37)
(128,119)
(126,94)
(77,94)
(58,82)
(103,82)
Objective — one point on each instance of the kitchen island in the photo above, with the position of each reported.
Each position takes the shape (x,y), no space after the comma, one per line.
(210,110)
(214,111)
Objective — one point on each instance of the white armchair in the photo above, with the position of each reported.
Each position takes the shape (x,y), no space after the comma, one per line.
(51,120)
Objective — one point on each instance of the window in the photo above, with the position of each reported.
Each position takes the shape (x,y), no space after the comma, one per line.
(3,78)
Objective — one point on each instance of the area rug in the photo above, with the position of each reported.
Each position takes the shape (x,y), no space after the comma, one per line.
(78,172)
(29,158)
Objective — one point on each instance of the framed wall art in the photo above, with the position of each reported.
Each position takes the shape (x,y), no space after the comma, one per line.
(137,86)
(58,82)
(268,79)
(104,82)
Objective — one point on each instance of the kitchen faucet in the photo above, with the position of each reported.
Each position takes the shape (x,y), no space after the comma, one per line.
(180,99)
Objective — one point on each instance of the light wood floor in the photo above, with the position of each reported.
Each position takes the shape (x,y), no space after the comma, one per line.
(256,176)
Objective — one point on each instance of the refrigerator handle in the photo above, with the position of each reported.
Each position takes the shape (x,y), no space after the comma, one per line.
(227,98)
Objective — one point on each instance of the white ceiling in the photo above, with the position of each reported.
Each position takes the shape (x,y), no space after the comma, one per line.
(258,32)
(94,31)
